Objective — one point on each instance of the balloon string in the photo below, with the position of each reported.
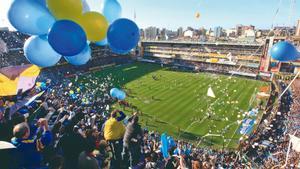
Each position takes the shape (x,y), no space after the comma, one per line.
(284,91)
(276,14)
(288,151)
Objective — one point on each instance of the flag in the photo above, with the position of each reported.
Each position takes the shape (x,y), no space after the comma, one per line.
(15,78)
(295,143)
(6,145)
(34,98)
(210,93)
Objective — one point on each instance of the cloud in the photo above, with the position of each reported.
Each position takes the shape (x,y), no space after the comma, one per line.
(3,14)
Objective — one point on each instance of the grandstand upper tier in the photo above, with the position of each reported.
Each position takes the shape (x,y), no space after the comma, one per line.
(248,55)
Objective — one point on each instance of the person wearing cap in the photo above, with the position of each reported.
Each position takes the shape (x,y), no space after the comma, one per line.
(114,131)
(29,146)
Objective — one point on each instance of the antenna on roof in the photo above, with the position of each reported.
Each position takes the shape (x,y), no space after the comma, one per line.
(134,16)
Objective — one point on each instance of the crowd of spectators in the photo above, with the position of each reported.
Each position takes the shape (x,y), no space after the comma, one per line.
(83,131)
(206,67)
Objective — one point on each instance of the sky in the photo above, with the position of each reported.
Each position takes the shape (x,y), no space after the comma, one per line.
(172,14)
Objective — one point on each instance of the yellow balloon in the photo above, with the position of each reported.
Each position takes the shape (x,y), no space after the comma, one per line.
(95,26)
(65,9)
(197,15)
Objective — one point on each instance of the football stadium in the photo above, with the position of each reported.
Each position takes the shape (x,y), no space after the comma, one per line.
(88,88)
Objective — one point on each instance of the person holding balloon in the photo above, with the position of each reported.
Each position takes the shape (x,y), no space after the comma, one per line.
(113,133)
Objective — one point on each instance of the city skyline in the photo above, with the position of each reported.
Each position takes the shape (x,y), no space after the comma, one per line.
(173,14)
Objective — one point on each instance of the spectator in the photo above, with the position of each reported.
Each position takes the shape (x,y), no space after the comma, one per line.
(87,159)
(29,148)
(132,141)
(71,144)
(113,133)
(151,161)
(57,162)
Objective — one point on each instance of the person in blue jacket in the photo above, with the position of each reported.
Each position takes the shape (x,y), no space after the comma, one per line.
(29,146)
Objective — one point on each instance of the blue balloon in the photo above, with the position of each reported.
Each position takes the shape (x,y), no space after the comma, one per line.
(123,35)
(102,43)
(41,2)
(112,10)
(43,86)
(38,51)
(121,95)
(67,38)
(80,59)
(30,17)
(284,51)
(120,52)
(74,96)
(113,92)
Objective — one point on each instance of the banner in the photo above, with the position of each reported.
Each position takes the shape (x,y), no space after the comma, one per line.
(247,126)
(295,143)
(285,76)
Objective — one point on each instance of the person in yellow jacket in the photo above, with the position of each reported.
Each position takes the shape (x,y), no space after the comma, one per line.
(114,130)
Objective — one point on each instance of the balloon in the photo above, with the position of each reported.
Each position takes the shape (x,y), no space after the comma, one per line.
(117,93)
(74,96)
(41,2)
(71,92)
(43,86)
(198,15)
(80,59)
(30,17)
(123,35)
(38,51)
(102,43)
(112,10)
(86,7)
(121,95)
(65,9)
(67,38)
(113,92)
(95,26)
(38,84)
(284,51)
(120,52)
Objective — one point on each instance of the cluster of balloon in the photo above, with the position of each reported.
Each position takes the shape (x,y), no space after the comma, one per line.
(117,93)
(66,27)
(284,51)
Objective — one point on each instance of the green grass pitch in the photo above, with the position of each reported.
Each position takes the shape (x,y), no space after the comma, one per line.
(176,102)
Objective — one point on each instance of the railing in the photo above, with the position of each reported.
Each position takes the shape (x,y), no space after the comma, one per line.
(204,43)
